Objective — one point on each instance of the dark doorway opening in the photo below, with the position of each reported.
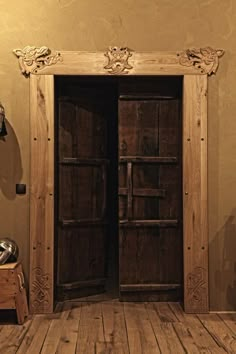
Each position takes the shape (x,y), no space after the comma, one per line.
(118,211)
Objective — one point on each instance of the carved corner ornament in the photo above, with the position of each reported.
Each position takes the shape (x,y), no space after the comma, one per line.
(33,59)
(40,290)
(205,59)
(197,288)
(118,58)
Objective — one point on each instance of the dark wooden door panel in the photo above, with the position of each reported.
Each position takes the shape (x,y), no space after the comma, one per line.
(90,243)
(147,257)
(138,247)
(84,134)
(170,180)
(83,169)
(138,137)
(150,206)
(82,192)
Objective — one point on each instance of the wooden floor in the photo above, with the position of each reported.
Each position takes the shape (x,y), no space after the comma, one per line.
(108,327)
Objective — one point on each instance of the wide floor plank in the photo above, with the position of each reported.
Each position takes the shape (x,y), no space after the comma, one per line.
(75,311)
(220,332)
(34,339)
(198,335)
(163,327)
(114,327)
(68,339)
(164,312)
(37,329)
(11,337)
(110,348)
(53,336)
(230,320)
(141,337)
(90,328)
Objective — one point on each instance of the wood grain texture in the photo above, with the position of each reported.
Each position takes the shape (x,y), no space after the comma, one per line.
(41,193)
(195,186)
(140,63)
(150,226)
(90,328)
(7,303)
(67,343)
(12,290)
(141,336)
(222,334)
(107,327)
(53,336)
(195,194)
(11,337)
(8,266)
(83,179)
(35,335)
(192,334)
(162,320)
(115,327)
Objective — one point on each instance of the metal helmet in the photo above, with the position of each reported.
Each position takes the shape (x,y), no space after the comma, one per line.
(9,251)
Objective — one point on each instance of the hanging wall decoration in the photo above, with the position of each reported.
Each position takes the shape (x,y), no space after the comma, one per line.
(3,129)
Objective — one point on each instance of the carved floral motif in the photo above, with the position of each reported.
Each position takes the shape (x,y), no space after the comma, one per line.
(40,289)
(33,59)
(197,288)
(205,59)
(118,60)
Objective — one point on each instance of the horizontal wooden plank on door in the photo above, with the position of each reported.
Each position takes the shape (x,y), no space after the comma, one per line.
(148,159)
(79,161)
(146,287)
(144,192)
(77,222)
(82,284)
(137,223)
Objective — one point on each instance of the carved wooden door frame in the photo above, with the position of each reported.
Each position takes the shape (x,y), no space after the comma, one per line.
(195,65)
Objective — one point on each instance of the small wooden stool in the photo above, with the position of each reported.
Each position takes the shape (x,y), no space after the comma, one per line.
(12,290)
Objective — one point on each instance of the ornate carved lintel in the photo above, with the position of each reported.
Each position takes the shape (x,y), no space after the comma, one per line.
(118,60)
(33,59)
(204,59)
(197,288)
(40,290)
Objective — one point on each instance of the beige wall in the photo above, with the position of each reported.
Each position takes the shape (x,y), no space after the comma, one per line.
(141,25)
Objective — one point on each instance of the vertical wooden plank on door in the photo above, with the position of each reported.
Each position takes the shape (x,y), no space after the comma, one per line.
(41,193)
(195,194)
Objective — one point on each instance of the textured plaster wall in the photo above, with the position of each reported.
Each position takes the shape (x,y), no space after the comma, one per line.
(143,26)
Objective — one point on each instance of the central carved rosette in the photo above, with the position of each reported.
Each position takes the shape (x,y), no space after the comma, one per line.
(118,60)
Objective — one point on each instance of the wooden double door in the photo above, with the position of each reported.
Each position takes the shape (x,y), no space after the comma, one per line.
(119,188)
